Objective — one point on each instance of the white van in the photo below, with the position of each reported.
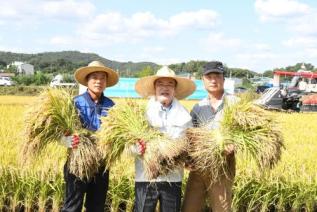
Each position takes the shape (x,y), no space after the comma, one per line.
(6,81)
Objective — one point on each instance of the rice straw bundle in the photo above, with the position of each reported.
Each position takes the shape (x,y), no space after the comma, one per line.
(124,125)
(53,115)
(164,155)
(252,130)
(206,151)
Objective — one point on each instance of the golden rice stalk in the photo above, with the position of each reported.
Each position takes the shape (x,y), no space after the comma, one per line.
(255,132)
(84,161)
(252,130)
(48,119)
(124,125)
(163,155)
(53,115)
(206,151)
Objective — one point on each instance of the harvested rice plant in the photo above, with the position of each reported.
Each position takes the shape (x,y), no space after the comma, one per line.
(125,125)
(291,185)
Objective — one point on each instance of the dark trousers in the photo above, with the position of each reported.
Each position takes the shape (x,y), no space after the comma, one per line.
(95,190)
(148,194)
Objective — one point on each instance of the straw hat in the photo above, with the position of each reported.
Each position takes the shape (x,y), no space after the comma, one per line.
(96,66)
(184,87)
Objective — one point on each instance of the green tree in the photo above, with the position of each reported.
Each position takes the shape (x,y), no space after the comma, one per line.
(38,78)
(298,66)
(268,73)
(3,64)
(147,71)
(240,73)
(24,79)
(12,69)
(247,83)
(41,79)
(178,67)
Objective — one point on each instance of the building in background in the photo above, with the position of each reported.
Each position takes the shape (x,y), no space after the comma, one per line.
(22,68)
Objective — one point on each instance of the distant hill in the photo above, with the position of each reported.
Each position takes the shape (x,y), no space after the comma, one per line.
(69,61)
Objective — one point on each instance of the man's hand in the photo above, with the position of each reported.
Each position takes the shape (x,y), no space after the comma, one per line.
(141,147)
(189,164)
(71,141)
(229,149)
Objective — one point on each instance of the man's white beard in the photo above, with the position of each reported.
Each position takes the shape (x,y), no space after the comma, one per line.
(163,100)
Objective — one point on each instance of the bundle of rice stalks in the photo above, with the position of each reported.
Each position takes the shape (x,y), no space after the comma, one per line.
(206,151)
(53,115)
(124,126)
(252,130)
(163,155)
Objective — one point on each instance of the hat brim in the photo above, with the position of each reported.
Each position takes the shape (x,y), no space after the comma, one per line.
(213,71)
(145,86)
(82,73)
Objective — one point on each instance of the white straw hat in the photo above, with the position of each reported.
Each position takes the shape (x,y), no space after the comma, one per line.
(96,66)
(145,85)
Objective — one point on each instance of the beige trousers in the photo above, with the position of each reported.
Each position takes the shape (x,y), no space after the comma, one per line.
(219,194)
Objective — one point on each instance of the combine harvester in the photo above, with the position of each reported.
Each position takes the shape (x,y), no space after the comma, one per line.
(300,95)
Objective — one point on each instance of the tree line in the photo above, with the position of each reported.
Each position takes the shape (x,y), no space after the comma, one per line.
(49,64)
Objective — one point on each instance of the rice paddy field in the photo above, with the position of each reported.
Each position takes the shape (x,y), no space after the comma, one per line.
(289,186)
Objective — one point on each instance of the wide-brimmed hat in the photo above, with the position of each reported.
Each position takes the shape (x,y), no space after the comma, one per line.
(145,85)
(96,66)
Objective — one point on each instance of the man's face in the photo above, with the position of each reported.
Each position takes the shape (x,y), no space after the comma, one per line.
(97,82)
(165,90)
(214,82)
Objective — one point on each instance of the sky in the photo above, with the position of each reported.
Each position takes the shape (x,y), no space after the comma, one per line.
(255,34)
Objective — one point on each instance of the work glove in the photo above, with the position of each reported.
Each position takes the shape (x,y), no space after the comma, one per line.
(71,141)
(139,148)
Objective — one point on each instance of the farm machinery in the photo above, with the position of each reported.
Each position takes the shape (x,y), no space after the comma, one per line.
(299,95)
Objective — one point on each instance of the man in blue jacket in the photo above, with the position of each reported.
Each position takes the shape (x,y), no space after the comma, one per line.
(91,106)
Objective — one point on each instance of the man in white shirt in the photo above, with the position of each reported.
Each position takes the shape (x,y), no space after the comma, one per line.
(166,114)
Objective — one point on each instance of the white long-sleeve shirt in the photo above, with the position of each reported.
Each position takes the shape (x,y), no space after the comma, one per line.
(172,121)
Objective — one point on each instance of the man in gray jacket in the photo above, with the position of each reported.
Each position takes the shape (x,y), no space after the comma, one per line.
(208,112)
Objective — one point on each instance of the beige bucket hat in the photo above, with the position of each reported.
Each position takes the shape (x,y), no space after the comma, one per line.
(184,87)
(82,73)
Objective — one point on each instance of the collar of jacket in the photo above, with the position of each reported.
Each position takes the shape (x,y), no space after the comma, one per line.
(91,101)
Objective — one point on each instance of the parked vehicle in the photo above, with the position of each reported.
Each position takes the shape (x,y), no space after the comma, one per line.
(262,88)
(6,81)
(299,95)
(58,81)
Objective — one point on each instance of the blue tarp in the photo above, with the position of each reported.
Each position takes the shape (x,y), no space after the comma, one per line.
(125,88)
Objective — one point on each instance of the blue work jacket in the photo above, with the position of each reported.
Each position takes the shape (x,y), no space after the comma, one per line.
(90,112)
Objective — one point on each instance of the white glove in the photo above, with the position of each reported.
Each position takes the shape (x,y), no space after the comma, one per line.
(138,148)
(67,141)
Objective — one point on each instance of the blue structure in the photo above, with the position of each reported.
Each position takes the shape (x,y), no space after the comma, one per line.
(125,88)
